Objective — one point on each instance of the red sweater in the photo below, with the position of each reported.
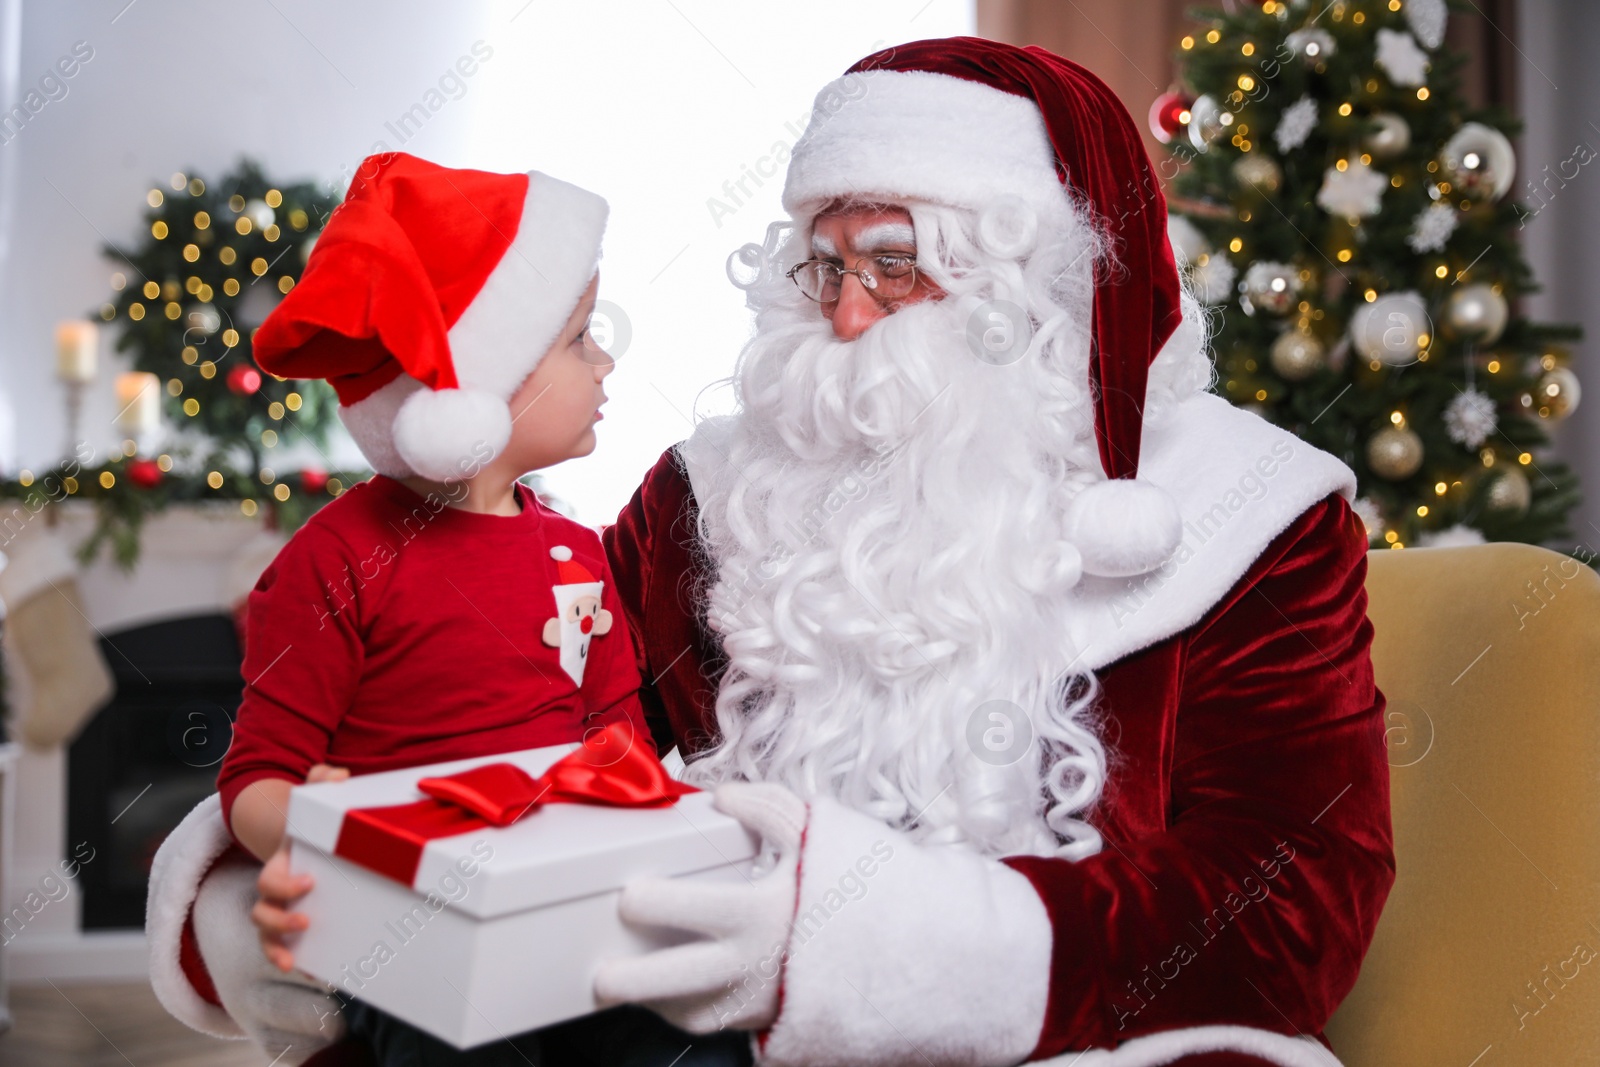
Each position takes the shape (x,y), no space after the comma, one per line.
(393,630)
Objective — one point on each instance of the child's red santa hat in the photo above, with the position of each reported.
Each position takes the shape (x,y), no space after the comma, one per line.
(429,298)
(966,122)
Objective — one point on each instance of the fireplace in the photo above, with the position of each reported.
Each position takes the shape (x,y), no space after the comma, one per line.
(149,755)
(144,760)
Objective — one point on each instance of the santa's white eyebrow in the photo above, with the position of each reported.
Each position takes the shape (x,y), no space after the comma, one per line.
(885,235)
(821,246)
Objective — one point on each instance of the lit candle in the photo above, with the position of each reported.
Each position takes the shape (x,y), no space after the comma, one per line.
(138,402)
(77,351)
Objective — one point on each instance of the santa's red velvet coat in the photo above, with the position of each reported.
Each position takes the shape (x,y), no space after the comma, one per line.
(1246,818)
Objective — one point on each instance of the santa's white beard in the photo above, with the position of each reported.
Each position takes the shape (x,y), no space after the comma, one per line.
(886,528)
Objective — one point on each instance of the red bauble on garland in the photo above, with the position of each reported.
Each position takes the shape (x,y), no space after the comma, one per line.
(144,473)
(1169,114)
(313,480)
(244,380)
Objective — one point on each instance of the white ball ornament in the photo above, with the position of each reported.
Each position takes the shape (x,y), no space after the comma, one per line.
(1479,161)
(1477,312)
(1389,135)
(1391,329)
(1188,243)
(1269,288)
(260,215)
(1207,120)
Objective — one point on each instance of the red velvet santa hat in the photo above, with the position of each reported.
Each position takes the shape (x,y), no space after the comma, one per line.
(428,299)
(964,122)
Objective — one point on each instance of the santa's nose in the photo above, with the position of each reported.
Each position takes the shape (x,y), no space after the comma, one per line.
(586,623)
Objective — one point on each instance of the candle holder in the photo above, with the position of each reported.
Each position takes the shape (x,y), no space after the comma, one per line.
(77,359)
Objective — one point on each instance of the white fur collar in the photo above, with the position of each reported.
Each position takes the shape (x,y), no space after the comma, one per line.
(1239,481)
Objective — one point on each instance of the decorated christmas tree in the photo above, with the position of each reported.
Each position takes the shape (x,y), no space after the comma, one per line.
(1345,211)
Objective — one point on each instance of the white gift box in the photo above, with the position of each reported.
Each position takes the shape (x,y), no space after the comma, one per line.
(501,929)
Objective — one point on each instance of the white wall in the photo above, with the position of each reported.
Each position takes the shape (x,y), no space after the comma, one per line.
(656,104)
(1558,83)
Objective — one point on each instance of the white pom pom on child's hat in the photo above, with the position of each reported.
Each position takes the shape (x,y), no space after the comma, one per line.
(431,295)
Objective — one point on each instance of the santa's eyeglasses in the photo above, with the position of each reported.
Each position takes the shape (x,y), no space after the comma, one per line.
(886,278)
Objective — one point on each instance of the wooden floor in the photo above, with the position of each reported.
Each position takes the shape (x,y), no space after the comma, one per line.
(108,1025)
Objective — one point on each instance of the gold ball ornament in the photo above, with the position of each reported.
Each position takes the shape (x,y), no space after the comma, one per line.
(1297,355)
(1259,172)
(1510,492)
(1557,394)
(1394,453)
(1477,312)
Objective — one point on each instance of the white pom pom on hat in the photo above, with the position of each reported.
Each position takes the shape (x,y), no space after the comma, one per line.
(1123,527)
(451,433)
(431,295)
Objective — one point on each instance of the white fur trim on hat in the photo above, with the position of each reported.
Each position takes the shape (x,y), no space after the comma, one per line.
(916,135)
(1122,527)
(370,422)
(180,866)
(451,433)
(532,291)
(495,344)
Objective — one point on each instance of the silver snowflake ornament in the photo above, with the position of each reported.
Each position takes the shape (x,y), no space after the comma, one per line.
(1401,59)
(1212,277)
(1470,418)
(1296,124)
(1432,227)
(1355,192)
(1426,19)
(1371,516)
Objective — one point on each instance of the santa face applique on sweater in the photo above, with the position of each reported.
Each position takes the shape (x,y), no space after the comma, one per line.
(579,616)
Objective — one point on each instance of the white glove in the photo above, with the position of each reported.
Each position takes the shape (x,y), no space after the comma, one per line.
(730,981)
(290,1015)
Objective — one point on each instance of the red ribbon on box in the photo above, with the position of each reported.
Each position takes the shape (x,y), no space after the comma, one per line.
(610,768)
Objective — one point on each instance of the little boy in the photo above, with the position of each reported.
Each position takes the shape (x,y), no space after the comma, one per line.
(439,611)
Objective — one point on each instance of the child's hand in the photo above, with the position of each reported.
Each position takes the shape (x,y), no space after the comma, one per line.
(274,921)
(279,889)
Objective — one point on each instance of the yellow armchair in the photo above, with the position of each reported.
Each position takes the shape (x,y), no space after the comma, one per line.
(1488,952)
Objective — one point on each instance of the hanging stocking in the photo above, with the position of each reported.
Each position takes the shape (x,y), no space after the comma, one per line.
(59,673)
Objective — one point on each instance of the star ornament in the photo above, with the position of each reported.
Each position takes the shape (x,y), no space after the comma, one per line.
(1355,192)
(1401,58)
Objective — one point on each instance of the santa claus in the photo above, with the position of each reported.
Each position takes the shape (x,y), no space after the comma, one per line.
(1043,672)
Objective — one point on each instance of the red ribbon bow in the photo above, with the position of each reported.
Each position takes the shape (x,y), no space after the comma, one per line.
(609,768)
